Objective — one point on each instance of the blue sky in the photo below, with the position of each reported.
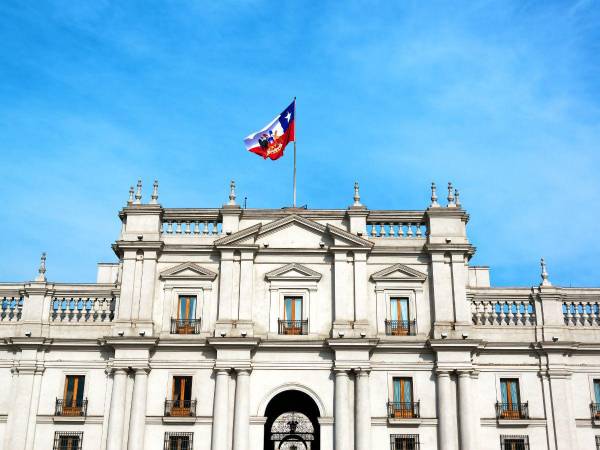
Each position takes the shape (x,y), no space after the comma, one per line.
(501,98)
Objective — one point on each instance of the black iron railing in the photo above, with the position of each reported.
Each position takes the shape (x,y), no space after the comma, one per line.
(293,326)
(404,442)
(403,410)
(400,327)
(514,442)
(595,410)
(185,326)
(179,441)
(67,440)
(77,409)
(180,408)
(512,410)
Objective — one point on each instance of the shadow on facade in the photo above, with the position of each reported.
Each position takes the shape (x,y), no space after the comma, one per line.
(292,422)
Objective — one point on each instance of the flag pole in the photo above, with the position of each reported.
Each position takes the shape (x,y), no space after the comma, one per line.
(294,204)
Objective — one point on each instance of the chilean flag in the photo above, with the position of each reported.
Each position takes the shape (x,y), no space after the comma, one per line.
(270,142)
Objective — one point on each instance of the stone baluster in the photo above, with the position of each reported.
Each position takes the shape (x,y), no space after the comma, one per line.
(409,230)
(215,228)
(419,231)
(205,228)
(196,227)
(188,230)
(510,315)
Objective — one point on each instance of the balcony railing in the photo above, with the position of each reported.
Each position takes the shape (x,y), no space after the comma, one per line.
(70,410)
(185,326)
(293,327)
(180,408)
(403,410)
(595,410)
(512,410)
(400,327)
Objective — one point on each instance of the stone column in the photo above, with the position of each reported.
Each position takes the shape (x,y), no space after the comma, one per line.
(117,410)
(137,421)
(241,421)
(341,411)
(220,411)
(562,411)
(363,412)
(446,432)
(465,411)
(18,418)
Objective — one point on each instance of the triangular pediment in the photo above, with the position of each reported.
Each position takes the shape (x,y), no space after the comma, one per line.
(399,272)
(293,231)
(293,271)
(188,271)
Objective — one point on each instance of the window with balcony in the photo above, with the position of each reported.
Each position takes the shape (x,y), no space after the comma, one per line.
(403,405)
(292,322)
(509,442)
(72,403)
(595,406)
(399,323)
(404,442)
(64,440)
(510,407)
(186,322)
(181,403)
(179,441)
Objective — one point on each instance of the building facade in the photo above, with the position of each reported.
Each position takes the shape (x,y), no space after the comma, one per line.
(341,329)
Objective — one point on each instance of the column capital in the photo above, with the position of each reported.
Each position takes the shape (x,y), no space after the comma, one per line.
(243,370)
(464,373)
(362,372)
(341,371)
(443,372)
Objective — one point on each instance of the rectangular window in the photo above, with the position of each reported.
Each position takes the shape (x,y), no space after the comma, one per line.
(597,442)
(292,323)
(402,405)
(400,318)
(293,308)
(179,441)
(67,440)
(187,307)
(597,391)
(73,402)
(404,442)
(181,401)
(508,442)
(186,322)
(510,407)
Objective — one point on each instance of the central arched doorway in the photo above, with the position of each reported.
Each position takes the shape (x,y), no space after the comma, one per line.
(292,422)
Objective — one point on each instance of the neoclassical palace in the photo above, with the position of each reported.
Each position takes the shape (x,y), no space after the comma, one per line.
(318,329)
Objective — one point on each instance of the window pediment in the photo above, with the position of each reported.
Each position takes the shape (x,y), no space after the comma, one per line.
(293,272)
(399,272)
(188,271)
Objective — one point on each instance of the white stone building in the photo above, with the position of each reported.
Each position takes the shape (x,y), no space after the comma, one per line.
(251,329)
